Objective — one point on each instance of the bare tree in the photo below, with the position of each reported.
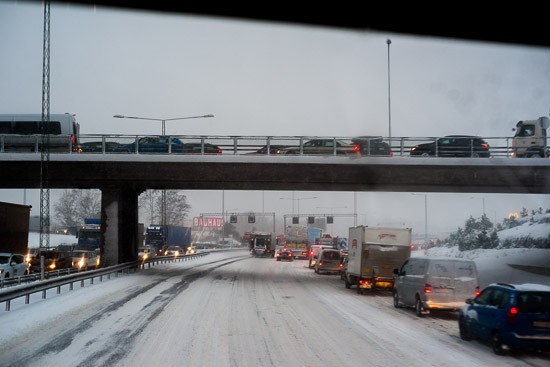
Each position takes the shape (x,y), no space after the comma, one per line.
(177,207)
(66,209)
(75,205)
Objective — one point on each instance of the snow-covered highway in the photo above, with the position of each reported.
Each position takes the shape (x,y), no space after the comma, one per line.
(228,309)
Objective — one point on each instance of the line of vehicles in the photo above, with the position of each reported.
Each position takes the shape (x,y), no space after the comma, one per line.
(22,133)
(507,316)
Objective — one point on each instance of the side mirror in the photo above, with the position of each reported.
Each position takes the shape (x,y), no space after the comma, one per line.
(470,301)
(396,271)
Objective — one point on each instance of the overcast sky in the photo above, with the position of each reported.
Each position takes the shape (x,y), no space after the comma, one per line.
(274,79)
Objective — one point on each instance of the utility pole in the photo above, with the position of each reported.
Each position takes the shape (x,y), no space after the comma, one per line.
(44,129)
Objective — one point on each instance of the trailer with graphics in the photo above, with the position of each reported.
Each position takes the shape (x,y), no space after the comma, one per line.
(373,254)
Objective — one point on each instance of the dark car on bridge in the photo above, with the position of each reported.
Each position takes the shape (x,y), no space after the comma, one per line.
(454,146)
(273,149)
(97,146)
(196,148)
(152,144)
(372,145)
(324,147)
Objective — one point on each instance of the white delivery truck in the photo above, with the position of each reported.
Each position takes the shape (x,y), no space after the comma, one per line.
(373,254)
(530,138)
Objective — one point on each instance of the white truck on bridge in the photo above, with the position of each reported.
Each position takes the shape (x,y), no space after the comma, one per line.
(373,253)
(530,138)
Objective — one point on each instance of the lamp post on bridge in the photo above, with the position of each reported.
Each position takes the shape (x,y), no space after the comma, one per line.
(163,201)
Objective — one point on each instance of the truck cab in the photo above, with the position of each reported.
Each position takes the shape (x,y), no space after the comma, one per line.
(529,140)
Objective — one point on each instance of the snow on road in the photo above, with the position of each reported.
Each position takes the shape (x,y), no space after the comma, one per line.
(229,309)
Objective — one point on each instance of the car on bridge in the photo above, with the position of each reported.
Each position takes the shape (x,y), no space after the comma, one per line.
(97,146)
(324,147)
(273,149)
(152,144)
(372,145)
(453,146)
(196,148)
(12,265)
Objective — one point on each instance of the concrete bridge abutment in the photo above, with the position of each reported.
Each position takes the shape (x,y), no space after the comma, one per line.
(119,225)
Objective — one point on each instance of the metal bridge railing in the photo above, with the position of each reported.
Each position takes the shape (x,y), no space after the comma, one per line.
(33,286)
(499,147)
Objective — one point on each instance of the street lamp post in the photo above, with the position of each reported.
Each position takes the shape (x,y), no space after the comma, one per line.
(388,42)
(162,120)
(483,201)
(425,216)
(163,200)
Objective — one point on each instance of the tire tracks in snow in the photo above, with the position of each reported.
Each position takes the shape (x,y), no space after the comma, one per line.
(112,346)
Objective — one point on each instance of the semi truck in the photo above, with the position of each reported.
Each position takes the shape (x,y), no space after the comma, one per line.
(373,254)
(89,235)
(161,237)
(262,244)
(530,138)
(14,228)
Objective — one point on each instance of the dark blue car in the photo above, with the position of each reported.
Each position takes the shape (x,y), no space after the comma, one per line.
(152,144)
(509,316)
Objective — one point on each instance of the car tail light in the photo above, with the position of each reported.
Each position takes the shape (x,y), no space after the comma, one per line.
(512,315)
(356,148)
(428,288)
(391,154)
(341,265)
(477,292)
(485,145)
(52,266)
(364,281)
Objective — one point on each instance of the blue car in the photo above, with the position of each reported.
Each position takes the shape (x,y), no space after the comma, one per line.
(152,144)
(508,316)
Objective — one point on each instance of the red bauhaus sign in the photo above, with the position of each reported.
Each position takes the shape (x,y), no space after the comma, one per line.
(208,222)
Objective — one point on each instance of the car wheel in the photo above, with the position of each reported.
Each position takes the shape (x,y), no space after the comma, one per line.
(535,155)
(316,270)
(498,345)
(359,290)
(395,300)
(463,330)
(419,309)
(425,154)
(347,283)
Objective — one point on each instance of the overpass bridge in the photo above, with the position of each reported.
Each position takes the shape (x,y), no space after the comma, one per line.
(123,177)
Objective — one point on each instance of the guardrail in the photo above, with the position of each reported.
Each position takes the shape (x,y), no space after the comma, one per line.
(8,294)
(257,145)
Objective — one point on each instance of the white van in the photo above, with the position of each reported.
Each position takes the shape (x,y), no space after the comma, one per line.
(22,133)
(435,283)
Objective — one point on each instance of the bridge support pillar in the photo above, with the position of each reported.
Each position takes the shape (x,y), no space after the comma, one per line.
(119,225)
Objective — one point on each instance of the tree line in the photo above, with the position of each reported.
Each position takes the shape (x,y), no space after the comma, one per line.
(75,205)
(480,233)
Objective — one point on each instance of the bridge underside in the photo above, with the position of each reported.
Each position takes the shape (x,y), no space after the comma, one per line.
(122,178)
(404,174)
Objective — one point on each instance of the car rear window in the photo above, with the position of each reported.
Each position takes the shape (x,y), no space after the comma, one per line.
(331,255)
(534,302)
